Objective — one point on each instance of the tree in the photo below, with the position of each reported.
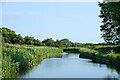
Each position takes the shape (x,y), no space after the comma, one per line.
(76,44)
(29,40)
(58,43)
(19,39)
(37,42)
(8,35)
(49,42)
(110,13)
(66,42)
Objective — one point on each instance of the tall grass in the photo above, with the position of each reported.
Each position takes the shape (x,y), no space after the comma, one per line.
(17,58)
(0,56)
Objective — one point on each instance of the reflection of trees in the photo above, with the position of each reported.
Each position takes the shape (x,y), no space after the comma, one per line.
(117,68)
(110,78)
(28,70)
(111,67)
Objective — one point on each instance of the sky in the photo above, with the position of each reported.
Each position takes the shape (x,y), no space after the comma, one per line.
(55,0)
(77,21)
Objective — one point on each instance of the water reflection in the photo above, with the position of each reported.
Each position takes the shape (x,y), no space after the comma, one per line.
(110,67)
(70,66)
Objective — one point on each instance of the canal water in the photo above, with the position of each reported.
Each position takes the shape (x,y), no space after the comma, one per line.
(70,66)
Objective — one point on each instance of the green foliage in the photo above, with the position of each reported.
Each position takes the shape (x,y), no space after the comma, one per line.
(3,40)
(37,42)
(49,42)
(8,67)
(108,49)
(66,42)
(0,53)
(110,13)
(8,35)
(19,39)
(58,43)
(102,54)
(29,40)
(17,58)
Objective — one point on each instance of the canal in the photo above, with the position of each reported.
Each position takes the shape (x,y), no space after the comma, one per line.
(70,66)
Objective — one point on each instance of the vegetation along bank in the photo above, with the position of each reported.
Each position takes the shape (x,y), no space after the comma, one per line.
(103,54)
(18,58)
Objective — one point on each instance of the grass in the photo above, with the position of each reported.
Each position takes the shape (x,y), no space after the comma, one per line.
(18,58)
(102,54)
(0,58)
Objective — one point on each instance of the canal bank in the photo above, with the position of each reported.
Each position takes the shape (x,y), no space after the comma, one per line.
(98,55)
(70,66)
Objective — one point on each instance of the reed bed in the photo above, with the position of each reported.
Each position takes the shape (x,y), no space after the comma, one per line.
(19,58)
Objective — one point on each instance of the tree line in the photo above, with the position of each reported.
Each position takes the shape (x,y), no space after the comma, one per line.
(110,14)
(9,36)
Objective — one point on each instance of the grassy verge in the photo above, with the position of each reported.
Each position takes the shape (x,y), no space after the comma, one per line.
(18,58)
(102,54)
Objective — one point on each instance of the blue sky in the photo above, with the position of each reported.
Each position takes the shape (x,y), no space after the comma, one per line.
(77,21)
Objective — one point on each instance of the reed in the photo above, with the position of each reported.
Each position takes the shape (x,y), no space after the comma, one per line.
(18,58)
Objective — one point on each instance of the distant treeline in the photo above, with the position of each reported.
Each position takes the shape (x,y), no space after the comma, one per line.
(9,36)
